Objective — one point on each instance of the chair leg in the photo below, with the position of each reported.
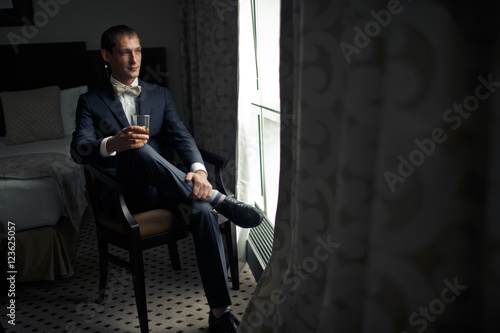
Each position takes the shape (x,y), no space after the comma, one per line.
(232,251)
(174,255)
(137,270)
(103,269)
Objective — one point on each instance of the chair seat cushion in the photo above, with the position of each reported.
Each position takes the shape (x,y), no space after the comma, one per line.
(150,222)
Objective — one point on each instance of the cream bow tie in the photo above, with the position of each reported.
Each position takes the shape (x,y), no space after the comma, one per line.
(120,89)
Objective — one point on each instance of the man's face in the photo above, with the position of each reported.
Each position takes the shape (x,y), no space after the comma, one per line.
(125,61)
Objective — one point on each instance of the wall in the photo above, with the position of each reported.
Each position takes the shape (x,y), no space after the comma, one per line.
(156,22)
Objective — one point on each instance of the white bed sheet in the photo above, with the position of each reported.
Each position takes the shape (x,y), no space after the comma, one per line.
(32,203)
(47,146)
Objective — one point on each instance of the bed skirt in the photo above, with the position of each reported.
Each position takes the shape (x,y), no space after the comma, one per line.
(47,253)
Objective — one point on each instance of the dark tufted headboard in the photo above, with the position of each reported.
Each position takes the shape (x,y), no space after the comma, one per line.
(66,65)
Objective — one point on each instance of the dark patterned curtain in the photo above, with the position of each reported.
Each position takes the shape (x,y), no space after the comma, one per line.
(209,48)
(388,216)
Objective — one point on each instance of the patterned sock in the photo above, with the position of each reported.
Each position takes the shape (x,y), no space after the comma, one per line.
(218,312)
(216,197)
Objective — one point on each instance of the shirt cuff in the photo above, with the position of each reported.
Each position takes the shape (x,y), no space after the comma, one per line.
(103,150)
(198,166)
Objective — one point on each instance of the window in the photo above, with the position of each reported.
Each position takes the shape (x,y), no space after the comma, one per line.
(259,115)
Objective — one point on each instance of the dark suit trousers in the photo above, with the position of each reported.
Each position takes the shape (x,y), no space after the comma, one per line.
(154,182)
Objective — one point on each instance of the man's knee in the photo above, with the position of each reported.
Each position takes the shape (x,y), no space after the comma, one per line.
(143,153)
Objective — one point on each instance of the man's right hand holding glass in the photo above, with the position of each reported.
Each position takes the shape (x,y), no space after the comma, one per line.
(131,137)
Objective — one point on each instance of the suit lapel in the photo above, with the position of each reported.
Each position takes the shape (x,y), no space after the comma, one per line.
(144,100)
(114,104)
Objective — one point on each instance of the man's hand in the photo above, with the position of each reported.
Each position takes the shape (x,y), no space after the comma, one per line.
(131,137)
(202,189)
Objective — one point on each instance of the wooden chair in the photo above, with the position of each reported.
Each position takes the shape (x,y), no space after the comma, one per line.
(138,232)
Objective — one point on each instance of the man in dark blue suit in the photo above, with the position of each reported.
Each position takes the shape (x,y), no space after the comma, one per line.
(103,135)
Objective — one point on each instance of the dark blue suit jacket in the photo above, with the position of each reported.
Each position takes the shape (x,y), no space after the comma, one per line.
(100,114)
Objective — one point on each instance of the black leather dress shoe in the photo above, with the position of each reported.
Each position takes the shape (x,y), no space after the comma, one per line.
(240,213)
(227,323)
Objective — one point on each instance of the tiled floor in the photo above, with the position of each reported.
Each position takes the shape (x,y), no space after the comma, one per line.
(176,301)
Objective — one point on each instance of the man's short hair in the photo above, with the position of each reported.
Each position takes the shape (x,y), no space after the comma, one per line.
(108,40)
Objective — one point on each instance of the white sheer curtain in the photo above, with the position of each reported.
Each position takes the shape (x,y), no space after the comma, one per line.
(258,109)
(388,217)
(247,166)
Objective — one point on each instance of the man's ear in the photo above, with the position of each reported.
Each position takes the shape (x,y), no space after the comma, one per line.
(105,55)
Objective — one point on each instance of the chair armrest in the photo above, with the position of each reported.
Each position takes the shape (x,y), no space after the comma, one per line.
(217,161)
(103,176)
(112,183)
(219,164)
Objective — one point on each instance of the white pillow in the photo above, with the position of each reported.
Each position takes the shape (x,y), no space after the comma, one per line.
(69,101)
(32,115)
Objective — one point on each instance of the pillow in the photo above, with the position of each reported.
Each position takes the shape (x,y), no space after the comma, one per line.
(32,115)
(69,101)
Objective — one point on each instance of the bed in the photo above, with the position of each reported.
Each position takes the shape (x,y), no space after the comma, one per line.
(42,190)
